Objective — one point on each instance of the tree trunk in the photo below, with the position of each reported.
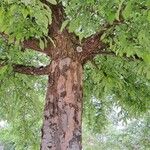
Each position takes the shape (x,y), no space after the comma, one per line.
(63,109)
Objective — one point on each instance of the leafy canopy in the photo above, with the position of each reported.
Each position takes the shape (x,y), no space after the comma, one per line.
(121,80)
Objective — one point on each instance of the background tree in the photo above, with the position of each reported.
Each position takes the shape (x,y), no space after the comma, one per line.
(130,136)
(59,39)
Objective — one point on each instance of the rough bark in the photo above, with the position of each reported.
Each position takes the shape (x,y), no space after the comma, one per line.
(63,109)
(28,70)
(31,70)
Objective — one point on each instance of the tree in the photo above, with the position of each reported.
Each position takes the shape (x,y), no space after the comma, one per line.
(109,39)
(134,135)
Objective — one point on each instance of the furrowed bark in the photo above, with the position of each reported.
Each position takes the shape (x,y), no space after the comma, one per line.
(63,109)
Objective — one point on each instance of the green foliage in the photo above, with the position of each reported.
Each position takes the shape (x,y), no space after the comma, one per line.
(54,2)
(130,37)
(21,104)
(90,140)
(112,81)
(21,98)
(21,21)
(134,135)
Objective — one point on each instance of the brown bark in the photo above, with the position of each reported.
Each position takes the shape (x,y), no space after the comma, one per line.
(29,44)
(63,109)
(31,70)
(28,70)
(34,45)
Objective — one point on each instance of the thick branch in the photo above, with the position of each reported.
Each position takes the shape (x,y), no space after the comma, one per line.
(30,70)
(93,43)
(58,16)
(29,44)
(34,45)
(94,46)
(90,47)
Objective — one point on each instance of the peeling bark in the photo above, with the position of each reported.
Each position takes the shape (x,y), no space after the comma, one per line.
(63,109)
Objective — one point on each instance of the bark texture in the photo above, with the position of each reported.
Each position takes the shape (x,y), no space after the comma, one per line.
(63,109)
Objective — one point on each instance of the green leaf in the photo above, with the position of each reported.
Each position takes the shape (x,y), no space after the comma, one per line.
(127,11)
(54,2)
(49,13)
(42,44)
(52,41)
(11,39)
(148,16)
(3,70)
(25,12)
(119,9)
(103,36)
(146,58)
(64,24)
(111,17)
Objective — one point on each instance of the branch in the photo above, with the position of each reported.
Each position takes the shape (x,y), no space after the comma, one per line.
(111,53)
(90,47)
(2,63)
(34,45)
(29,44)
(92,43)
(28,70)
(108,26)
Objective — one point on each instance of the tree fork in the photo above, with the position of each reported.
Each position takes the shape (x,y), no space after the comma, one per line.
(63,109)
